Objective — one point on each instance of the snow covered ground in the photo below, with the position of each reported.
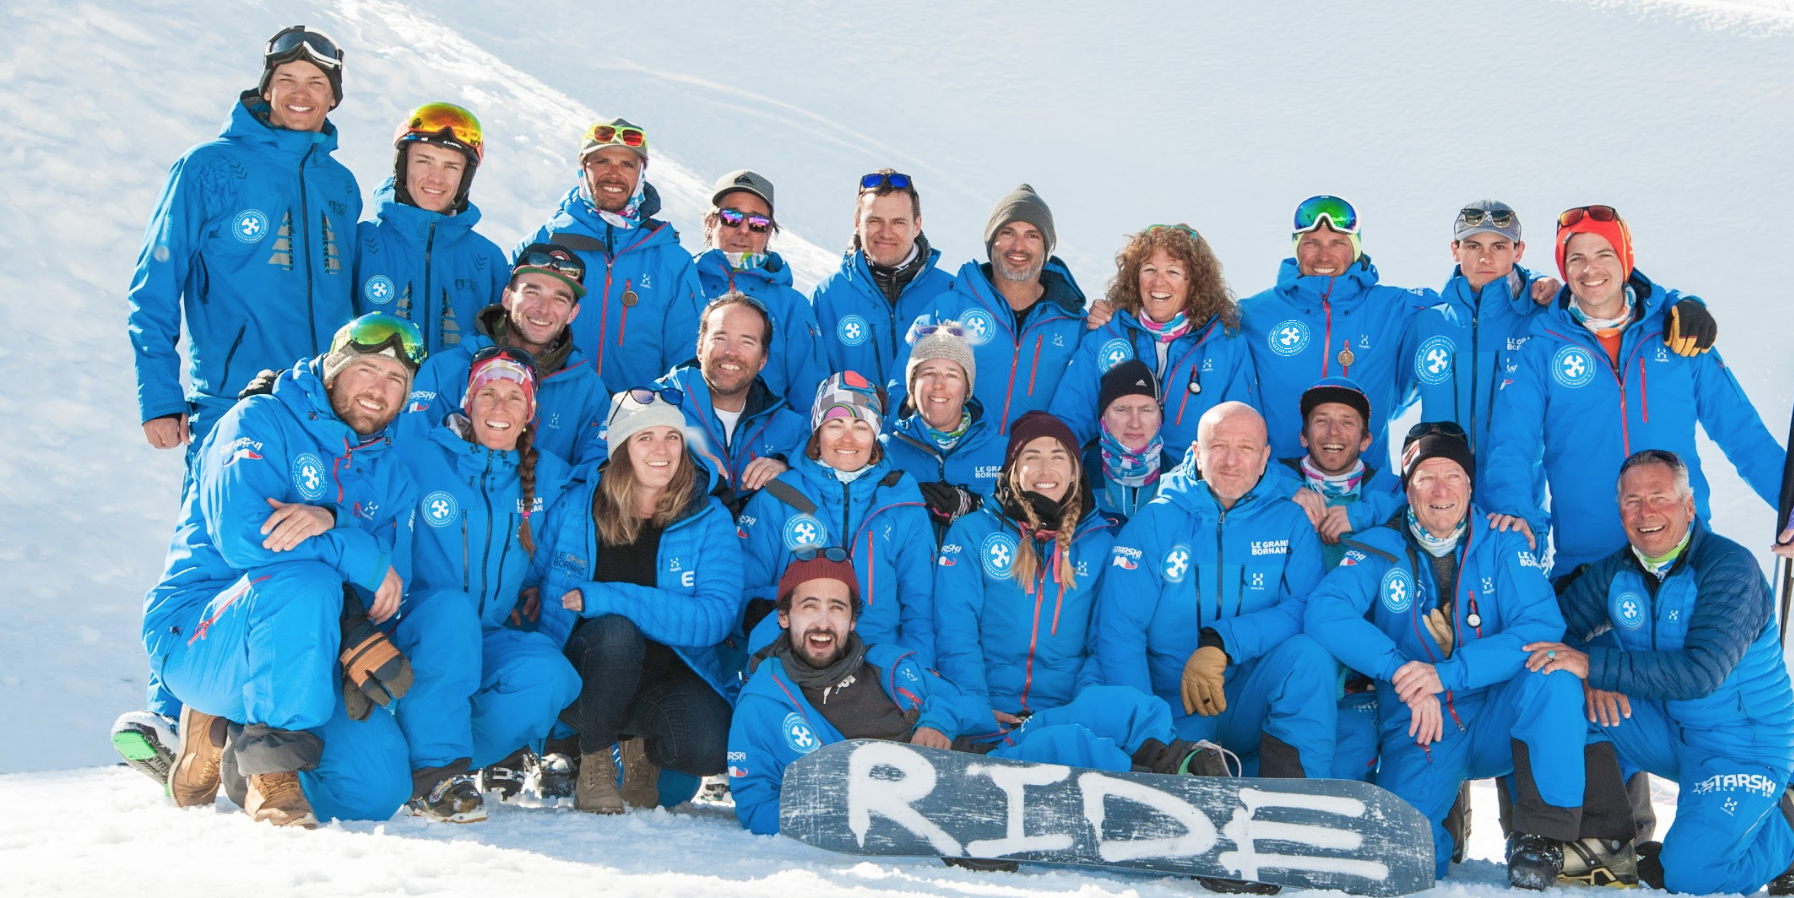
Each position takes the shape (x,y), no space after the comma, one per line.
(1219,115)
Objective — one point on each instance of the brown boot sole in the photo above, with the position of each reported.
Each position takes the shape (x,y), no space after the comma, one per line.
(193,780)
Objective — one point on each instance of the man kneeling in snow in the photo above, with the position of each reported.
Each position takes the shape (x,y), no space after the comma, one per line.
(839,688)
(245,624)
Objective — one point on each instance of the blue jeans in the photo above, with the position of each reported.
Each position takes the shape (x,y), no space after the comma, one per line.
(633,686)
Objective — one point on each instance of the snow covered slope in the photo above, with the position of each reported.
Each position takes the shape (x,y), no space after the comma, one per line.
(1224,117)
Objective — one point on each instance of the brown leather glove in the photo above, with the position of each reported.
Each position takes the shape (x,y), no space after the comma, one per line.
(1204,678)
(1437,625)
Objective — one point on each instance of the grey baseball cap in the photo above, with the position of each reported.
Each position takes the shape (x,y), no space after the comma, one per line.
(742,179)
(1487,217)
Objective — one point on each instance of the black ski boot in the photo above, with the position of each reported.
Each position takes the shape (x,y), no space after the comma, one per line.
(455,799)
(554,773)
(146,741)
(1650,865)
(505,777)
(1180,758)
(1600,862)
(1783,884)
(1533,862)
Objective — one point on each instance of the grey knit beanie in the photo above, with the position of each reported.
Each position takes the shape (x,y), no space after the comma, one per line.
(942,343)
(1022,204)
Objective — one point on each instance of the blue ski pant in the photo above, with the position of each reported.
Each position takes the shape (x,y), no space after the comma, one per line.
(263,650)
(1101,728)
(1544,711)
(1355,738)
(525,682)
(440,636)
(1729,834)
(1287,692)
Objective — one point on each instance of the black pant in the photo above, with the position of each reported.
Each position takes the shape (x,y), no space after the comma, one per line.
(633,686)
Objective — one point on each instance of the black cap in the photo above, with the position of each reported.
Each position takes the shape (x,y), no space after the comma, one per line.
(1129,378)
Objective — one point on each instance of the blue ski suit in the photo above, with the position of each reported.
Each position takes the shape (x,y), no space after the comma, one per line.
(427,267)
(794,363)
(1298,331)
(571,403)
(1379,496)
(697,598)
(768,427)
(254,238)
(1202,369)
(1368,612)
(1452,356)
(878,518)
(973,463)
(860,329)
(1018,649)
(775,725)
(1699,656)
(1018,367)
(510,685)
(639,316)
(252,635)
(1557,404)
(1185,565)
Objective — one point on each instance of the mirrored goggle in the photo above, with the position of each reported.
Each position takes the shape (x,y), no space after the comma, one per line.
(510,353)
(1596,213)
(444,123)
(880,179)
(734,218)
(314,46)
(1337,213)
(1497,218)
(569,266)
(376,331)
(634,138)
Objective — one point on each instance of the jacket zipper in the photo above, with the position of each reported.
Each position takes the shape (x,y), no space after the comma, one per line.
(491,521)
(311,305)
(429,305)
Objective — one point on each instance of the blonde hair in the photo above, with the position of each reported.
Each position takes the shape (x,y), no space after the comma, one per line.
(614,505)
(1026,564)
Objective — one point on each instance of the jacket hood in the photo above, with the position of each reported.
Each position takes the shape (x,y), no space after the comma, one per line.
(1308,290)
(1061,288)
(248,124)
(301,390)
(773,271)
(577,207)
(415,222)
(1461,298)
(1127,321)
(470,458)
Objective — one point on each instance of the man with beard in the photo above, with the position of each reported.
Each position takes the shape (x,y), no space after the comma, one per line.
(245,624)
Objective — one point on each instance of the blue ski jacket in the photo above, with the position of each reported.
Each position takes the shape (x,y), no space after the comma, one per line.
(973,463)
(427,267)
(469,508)
(1016,649)
(1563,402)
(571,403)
(1703,641)
(1368,611)
(1379,496)
(639,316)
(288,446)
(794,363)
(767,428)
(1018,367)
(774,725)
(1185,564)
(860,329)
(696,601)
(1203,368)
(253,236)
(878,518)
(1307,328)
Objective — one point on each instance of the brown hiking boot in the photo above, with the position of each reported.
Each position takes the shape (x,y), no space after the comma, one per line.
(641,779)
(277,798)
(596,790)
(193,781)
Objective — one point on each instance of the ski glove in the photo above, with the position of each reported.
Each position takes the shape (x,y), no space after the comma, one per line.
(1691,329)
(947,503)
(1437,625)
(1204,679)
(374,670)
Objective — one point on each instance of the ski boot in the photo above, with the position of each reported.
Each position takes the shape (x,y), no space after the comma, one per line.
(1600,862)
(553,774)
(454,799)
(505,777)
(1533,862)
(146,741)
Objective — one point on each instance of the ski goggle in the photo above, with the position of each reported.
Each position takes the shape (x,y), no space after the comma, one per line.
(508,353)
(1428,428)
(603,134)
(1335,212)
(1154,229)
(298,43)
(948,327)
(377,331)
(883,179)
(1498,218)
(1571,217)
(444,124)
(810,553)
(734,218)
(553,261)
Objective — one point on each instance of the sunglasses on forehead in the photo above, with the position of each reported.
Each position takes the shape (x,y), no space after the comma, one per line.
(809,553)
(634,138)
(1594,213)
(1499,218)
(881,179)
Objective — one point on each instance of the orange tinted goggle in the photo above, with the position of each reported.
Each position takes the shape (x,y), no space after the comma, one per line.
(634,138)
(444,123)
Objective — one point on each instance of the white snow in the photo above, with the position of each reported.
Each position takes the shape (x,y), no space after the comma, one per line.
(1219,115)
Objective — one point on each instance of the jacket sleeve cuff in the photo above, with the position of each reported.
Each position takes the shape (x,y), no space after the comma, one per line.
(1451,673)
(1211,638)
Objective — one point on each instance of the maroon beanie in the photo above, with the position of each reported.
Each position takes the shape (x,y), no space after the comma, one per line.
(1032,426)
(801,571)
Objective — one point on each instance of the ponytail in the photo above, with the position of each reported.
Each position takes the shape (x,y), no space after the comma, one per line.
(526,475)
(1026,565)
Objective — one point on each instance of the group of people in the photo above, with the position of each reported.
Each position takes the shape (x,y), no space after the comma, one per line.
(603,517)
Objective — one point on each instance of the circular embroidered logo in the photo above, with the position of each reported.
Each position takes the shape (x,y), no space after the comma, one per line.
(998,554)
(440,509)
(803,530)
(1398,590)
(309,476)
(378,290)
(1177,563)
(1573,366)
(1289,337)
(798,735)
(979,327)
(249,225)
(1628,610)
(1432,362)
(853,330)
(1114,353)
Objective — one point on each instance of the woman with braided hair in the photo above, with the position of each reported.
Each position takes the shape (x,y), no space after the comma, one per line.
(484,491)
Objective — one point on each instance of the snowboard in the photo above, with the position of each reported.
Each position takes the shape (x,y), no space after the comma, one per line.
(891,799)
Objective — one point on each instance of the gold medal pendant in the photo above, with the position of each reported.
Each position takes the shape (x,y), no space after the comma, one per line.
(1346,357)
(629,298)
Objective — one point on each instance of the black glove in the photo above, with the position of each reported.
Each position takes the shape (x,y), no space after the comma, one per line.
(946,502)
(262,382)
(374,670)
(1690,329)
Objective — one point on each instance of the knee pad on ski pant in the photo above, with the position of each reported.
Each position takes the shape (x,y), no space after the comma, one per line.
(1355,737)
(525,681)
(364,774)
(1546,710)
(1068,744)
(440,635)
(1121,714)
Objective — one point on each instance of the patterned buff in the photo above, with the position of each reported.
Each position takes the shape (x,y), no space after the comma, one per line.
(1603,324)
(1125,466)
(1436,546)
(1170,330)
(1333,486)
(945,440)
(746,261)
(502,368)
(1660,566)
(631,216)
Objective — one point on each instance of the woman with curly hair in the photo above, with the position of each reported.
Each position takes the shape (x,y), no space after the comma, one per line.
(1175,313)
